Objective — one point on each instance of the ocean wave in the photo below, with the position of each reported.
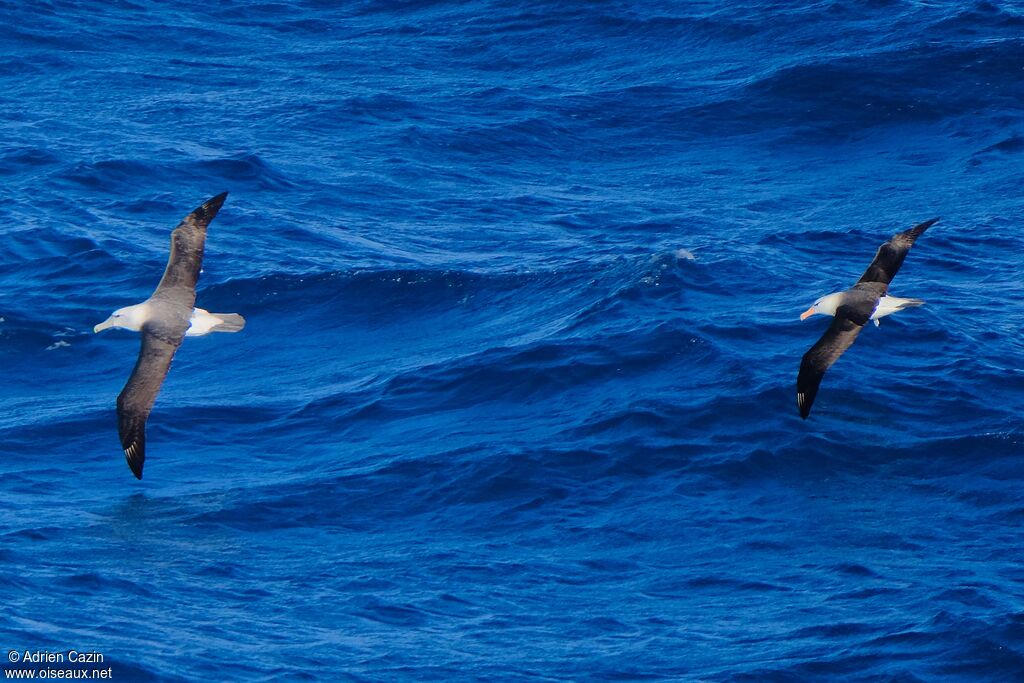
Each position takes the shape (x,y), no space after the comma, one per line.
(119,175)
(515,397)
(831,99)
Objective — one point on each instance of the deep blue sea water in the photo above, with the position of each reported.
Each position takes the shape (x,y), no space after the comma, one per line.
(516,398)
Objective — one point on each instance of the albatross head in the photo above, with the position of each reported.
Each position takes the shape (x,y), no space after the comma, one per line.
(826,304)
(129,317)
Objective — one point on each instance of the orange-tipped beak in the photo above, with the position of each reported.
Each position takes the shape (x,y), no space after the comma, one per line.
(808,313)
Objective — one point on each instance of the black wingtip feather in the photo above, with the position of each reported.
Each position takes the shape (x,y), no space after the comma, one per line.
(210,207)
(135,455)
(919,229)
(804,404)
(132,430)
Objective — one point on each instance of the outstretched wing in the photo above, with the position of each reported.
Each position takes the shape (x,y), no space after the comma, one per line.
(137,398)
(890,255)
(837,338)
(187,243)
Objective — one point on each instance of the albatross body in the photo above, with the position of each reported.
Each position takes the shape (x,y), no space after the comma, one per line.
(164,320)
(851,310)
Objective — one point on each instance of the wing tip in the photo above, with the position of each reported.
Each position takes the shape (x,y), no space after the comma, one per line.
(208,209)
(919,229)
(135,455)
(803,404)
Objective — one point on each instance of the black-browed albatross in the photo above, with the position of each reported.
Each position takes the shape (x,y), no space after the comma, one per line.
(165,319)
(852,309)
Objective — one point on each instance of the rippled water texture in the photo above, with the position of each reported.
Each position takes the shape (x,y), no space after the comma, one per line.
(516,398)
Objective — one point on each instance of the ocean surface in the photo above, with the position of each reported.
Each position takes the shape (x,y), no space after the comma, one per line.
(516,397)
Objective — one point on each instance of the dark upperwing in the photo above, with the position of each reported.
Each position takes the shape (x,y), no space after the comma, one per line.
(890,255)
(137,398)
(172,304)
(839,336)
(187,240)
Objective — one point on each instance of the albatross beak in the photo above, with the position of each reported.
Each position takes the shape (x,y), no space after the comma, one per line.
(808,313)
(109,322)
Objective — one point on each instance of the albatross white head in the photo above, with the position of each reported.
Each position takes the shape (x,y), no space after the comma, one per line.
(129,317)
(826,304)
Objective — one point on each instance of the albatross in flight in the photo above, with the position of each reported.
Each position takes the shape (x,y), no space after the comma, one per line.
(164,319)
(852,309)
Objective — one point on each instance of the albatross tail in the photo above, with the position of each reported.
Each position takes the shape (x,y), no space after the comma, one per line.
(890,304)
(232,322)
(204,322)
